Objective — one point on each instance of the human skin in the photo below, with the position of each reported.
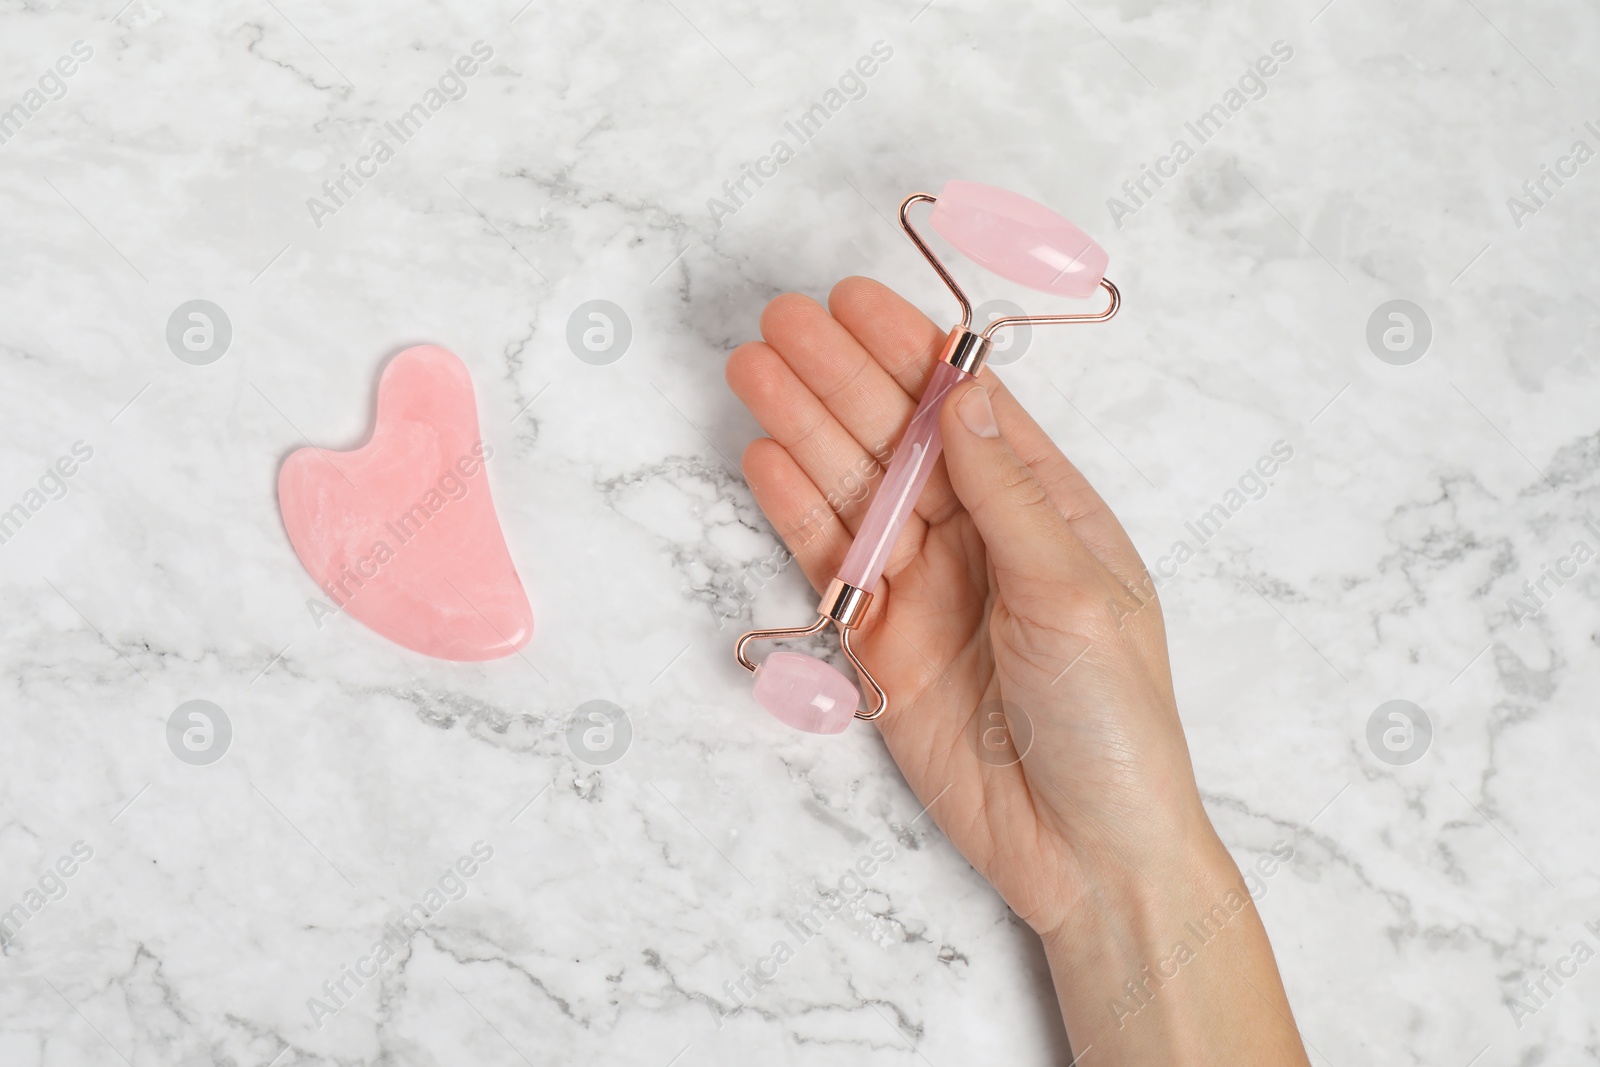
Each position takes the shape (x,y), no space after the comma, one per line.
(1014,586)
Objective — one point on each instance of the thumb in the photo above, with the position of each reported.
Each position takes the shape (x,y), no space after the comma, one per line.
(1028,539)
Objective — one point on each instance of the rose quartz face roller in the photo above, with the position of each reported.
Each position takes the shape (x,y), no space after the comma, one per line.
(1021,241)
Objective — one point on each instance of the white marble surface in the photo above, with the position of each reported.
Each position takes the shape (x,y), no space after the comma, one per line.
(577,166)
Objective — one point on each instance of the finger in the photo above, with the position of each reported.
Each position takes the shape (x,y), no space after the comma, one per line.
(839,468)
(797,510)
(907,345)
(903,340)
(865,399)
(1083,508)
(1032,547)
(842,374)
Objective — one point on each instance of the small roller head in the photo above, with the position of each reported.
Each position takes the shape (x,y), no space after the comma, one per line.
(803,692)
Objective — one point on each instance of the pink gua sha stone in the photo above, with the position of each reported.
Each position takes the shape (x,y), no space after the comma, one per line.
(805,693)
(1019,239)
(402,532)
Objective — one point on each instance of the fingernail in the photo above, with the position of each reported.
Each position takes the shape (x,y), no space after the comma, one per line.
(976,414)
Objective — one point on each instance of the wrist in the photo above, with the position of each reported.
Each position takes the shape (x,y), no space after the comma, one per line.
(1171,965)
(1140,901)
(1118,959)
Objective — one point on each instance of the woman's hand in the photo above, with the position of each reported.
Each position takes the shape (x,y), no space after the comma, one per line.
(1016,618)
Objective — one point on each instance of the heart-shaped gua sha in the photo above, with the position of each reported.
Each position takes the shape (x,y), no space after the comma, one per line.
(402,532)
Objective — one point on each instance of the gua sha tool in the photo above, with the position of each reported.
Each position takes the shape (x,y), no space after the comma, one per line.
(402,533)
(1021,241)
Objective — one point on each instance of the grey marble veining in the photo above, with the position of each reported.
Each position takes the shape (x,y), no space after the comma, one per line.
(1405,551)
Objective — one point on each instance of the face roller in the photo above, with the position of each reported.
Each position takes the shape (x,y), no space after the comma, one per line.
(1021,241)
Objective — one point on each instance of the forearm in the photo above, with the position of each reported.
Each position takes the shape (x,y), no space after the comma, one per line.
(1172,967)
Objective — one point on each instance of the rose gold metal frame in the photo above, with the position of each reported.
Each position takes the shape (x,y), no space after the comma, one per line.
(1112,307)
